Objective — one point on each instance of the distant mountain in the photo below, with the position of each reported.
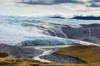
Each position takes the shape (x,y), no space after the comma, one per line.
(57,16)
(86,17)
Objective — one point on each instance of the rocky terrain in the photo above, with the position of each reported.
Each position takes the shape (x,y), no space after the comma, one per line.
(87,32)
(63,59)
(19,52)
(42,54)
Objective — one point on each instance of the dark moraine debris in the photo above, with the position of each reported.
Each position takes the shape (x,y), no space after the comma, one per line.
(19,52)
(63,59)
(86,17)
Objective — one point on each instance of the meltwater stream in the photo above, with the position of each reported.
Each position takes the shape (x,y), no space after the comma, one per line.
(45,52)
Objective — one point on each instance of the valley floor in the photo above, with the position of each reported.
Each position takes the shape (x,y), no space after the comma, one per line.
(80,55)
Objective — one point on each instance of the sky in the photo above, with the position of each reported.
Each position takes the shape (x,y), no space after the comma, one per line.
(66,8)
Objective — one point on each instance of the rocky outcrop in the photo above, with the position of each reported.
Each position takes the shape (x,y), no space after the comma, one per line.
(19,52)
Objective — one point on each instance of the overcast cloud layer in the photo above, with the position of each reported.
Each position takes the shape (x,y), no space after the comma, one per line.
(48,2)
(91,3)
(50,7)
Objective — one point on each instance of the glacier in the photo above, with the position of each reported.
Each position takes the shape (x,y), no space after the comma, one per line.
(30,31)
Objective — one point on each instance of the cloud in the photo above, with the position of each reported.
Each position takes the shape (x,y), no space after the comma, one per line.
(7,2)
(94,0)
(94,5)
(88,3)
(47,2)
(67,8)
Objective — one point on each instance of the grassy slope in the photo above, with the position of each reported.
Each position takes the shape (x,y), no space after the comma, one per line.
(21,62)
(28,62)
(88,53)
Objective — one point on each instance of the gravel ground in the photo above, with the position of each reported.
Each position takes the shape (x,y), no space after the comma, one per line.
(53,57)
(19,52)
(30,52)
